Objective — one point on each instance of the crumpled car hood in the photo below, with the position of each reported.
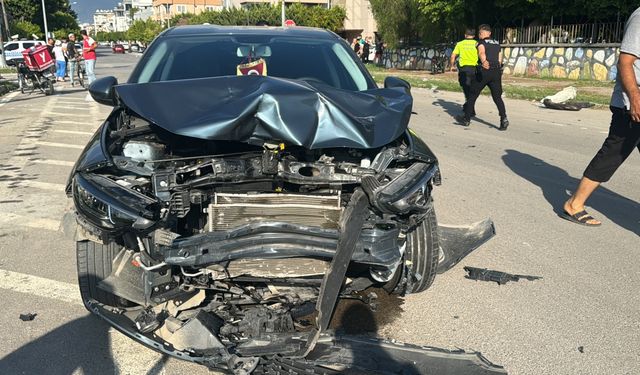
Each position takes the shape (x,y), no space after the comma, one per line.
(255,109)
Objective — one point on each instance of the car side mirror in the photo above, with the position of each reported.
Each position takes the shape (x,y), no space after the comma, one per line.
(101,90)
(393,82)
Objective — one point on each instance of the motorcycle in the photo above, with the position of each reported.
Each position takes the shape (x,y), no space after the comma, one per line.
(31,80)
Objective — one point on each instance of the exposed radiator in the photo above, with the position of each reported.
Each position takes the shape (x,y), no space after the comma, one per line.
(232,210)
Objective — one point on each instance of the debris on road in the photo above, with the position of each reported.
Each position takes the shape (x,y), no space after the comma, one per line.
(499,277)
(581,349)
(27,317)
(563,100)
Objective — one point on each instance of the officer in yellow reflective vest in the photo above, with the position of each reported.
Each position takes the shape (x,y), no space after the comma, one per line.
(468,53)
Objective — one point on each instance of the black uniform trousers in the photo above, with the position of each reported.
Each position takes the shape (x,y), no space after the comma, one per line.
(623,138)
(486,77)
(466,76)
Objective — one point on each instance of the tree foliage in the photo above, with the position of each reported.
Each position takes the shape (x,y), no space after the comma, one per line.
(25,29)
(60,16)
(314,16)
(143,31)
(439,20)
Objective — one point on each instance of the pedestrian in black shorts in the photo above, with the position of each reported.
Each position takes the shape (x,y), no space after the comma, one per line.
(624,132)
(489,74)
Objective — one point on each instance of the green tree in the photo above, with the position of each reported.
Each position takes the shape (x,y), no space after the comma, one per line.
(25,29)
(144,31)
(403,22)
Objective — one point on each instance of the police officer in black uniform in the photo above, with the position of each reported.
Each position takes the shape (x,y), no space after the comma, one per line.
(489,74)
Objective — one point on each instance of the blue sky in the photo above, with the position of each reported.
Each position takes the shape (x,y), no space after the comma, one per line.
(85,8)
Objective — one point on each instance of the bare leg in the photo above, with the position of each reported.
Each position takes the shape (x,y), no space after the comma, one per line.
(576,202)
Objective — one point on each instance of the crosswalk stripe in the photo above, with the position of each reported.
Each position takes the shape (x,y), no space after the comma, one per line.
(72,132)
(55,162)
(29,221)
(63,145)
(39,286)
(43,185)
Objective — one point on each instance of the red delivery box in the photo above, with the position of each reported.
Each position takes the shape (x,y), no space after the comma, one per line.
(37,58)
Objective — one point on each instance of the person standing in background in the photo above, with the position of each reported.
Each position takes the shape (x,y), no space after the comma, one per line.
(72,55)
(89,53)
(467,64)
(61,63)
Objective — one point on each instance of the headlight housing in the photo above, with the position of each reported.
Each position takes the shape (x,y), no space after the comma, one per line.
(110,206)
(407,193)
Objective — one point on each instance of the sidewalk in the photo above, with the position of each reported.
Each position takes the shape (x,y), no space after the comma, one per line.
(514,87)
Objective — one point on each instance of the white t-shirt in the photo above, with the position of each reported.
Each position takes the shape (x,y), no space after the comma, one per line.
(59,53)
(631,45)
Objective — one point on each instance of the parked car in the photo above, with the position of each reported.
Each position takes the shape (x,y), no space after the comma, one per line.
(246,179)
(118,48)
(13,50)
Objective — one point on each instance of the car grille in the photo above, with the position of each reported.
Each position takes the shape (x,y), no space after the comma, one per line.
(232,210)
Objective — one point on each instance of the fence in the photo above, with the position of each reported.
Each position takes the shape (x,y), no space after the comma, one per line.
(559,34)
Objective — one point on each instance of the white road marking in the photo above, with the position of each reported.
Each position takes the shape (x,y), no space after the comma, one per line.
(83,122)
(72,132)
(50,113)
(55,162)
(7,98)
(63,145)
(39,286)
(43,185)
(29,221)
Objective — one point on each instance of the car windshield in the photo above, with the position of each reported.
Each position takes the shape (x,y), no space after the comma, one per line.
(175,58)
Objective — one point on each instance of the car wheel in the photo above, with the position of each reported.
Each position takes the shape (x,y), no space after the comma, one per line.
(94,265)
(422,254)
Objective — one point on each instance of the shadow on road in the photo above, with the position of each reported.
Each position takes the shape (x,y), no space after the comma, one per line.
(555,182)
(455,109)
(82,344)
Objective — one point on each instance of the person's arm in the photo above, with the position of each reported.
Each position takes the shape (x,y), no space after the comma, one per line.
(482,54)
(630,83)
(452,61)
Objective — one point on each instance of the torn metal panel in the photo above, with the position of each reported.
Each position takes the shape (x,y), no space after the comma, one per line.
(459,241)
(499,277)
(255,109)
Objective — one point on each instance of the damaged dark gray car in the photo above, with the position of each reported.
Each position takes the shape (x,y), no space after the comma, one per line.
(246,180)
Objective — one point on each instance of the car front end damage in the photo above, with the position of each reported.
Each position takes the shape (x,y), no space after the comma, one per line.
(231,247)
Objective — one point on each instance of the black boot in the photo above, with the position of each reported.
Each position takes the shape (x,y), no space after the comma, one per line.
(462,120)
(504,123)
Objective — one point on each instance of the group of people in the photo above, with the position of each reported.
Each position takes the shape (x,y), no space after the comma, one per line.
(67,56)
(479,66)
(362,47)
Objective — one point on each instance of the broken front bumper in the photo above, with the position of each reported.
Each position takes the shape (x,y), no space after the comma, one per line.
(331,355)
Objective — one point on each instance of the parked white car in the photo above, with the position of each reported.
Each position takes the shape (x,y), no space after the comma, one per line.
(13,50)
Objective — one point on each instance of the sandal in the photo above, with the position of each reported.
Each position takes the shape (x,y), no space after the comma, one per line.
(581,218)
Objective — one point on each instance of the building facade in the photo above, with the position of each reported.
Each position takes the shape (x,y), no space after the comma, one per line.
(359,20)
(164,10)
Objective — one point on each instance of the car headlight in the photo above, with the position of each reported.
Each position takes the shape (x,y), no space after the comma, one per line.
(404,194)
(111,206)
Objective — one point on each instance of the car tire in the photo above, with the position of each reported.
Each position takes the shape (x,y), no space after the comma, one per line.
(94,265)
(423,253)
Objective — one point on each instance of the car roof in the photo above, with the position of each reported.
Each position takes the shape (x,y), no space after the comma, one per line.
(297,31)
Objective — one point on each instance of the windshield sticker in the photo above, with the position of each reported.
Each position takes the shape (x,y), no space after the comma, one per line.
(255,68)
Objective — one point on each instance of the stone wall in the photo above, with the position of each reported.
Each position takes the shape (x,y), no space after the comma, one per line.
(587,61)
(573,62)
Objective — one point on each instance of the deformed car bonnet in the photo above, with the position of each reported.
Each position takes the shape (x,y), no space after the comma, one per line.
(255,109)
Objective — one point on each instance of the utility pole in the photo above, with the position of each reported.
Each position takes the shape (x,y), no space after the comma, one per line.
(283,15)
(44,17)
(3,62)
(6,22)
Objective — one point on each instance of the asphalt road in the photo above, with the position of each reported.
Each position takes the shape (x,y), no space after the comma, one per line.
(582,318)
